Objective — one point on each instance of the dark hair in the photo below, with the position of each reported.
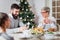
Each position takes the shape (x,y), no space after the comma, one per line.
(3,17)
(15,6)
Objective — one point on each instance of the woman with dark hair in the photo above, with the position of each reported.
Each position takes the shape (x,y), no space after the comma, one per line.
(4,23)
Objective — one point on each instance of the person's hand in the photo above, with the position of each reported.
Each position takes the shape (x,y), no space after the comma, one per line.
(47,21)
(23,28)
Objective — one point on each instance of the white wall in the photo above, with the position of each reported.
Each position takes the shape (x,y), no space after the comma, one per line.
(49,4)
(5,5)
(42,3)
(39,4)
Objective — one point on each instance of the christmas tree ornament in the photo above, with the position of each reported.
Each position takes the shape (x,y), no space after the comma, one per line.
(23,9)
(20,17)
(27,16)
(28,23)
(31,20)
(21,0)
(25,2)
(26,9)
(24,19)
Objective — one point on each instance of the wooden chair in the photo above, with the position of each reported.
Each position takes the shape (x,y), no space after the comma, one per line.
(58,27)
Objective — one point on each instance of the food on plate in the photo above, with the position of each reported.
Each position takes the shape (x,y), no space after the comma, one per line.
(37,30)
(51,29)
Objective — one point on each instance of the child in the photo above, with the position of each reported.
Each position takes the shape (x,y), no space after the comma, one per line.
(4,23)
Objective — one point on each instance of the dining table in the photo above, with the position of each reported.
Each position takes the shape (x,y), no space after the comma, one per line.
(26,35)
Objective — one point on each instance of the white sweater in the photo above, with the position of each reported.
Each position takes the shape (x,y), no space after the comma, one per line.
(47,26)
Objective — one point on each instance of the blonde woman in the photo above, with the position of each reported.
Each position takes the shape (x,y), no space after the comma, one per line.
(46,21)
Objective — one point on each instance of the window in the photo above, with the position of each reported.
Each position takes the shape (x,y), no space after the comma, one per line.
(56,9)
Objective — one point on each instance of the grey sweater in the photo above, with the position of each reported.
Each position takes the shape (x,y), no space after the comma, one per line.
(6,36)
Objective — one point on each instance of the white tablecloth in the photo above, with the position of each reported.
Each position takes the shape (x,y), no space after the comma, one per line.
(27,36)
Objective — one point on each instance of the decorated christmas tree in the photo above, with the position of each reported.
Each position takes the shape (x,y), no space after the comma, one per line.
(26,15)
